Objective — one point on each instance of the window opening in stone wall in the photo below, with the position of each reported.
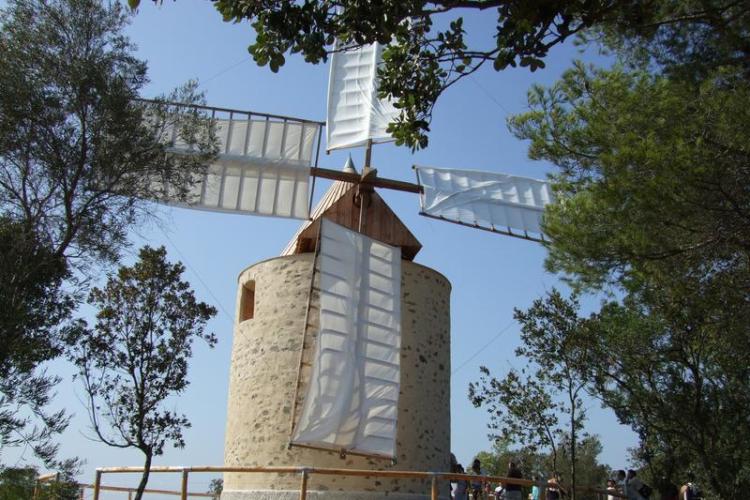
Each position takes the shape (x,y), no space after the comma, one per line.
(247,302)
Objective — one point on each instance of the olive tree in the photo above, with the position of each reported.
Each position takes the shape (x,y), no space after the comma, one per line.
(80,156)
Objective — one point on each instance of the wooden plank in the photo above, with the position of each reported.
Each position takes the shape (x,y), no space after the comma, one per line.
(303,486)
(124,489)
(374,181)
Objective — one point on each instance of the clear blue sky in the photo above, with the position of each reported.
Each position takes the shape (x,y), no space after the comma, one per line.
(490,274)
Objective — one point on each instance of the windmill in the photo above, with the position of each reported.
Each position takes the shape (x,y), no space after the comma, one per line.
(341,346)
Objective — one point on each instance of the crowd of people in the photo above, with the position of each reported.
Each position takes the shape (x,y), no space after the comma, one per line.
(630,485)
(476,489)
(622,483)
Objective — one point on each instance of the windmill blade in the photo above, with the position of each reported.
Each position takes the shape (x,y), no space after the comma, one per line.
(355,113)
(352,398)
(263,164)
(496,202)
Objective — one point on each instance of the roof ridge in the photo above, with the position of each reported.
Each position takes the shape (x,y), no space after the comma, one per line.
(335,192)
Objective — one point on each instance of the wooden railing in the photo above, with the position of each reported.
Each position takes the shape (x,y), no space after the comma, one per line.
(130,491)
(306,472)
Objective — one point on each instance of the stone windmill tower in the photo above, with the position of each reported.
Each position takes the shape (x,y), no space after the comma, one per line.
(275,336)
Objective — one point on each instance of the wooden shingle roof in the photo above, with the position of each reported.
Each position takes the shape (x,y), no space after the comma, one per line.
(341,204)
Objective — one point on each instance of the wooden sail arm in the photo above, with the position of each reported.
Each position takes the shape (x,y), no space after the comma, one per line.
(369,178)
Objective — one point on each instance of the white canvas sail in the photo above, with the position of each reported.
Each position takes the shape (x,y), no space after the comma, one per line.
(355,113)
(352,398)
(490,200)
(263,166)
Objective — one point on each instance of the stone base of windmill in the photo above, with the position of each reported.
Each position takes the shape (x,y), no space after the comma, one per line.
(323,495)
(263,383)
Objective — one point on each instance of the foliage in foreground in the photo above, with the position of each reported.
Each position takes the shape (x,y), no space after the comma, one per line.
(654,205)
(79,159)
(23,484)
(431,47)
(137,357)
(542,409)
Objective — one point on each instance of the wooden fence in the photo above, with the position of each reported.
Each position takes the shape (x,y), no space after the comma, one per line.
(306,472)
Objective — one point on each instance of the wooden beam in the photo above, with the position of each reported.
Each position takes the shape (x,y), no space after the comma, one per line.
(506,232)
(125,489)
(341,452)
(303,486)
(184,485)
(378,182)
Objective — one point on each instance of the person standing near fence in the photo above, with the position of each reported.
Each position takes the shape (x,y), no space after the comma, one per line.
(461,491)
(620,481)
(553,489)
(611,486)
(477,486)
(513,491)
(535,491)
(634,487)
(690,490)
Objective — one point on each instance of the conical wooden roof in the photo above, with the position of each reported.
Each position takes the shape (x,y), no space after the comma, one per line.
(340,204)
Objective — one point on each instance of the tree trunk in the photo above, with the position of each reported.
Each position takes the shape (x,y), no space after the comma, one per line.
(555,471)
(144,477)
(573,449)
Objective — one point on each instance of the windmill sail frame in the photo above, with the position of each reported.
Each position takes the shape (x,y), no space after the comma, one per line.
(496,202)
(356,116)
(263,165)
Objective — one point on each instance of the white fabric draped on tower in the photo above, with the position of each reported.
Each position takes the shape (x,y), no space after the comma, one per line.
(355,113)
(352,398)
(490,200)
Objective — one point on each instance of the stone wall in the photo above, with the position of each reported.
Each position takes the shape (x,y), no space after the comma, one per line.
(265,360)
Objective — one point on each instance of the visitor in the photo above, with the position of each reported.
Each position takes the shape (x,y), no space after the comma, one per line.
(513,491)
(535,491)
(690,490)
(620,480)
(553,489)
(461,491)
(477,486)
(500,492)
(611,487)
(635,489)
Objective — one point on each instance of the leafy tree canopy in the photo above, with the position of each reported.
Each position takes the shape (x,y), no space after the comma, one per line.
(430,48)
(34,313)
(215,487)
(79,153)
(653,203)
(658,168)
(542,407)
(79,158)
(24,484)
(137,356)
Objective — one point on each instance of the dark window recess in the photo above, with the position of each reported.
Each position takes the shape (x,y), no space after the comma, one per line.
(247,303)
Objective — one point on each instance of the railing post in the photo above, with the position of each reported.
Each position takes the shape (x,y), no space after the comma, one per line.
(303,485)
(434,487)
(184,489)
(97,484)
